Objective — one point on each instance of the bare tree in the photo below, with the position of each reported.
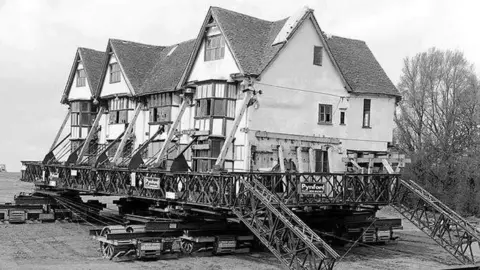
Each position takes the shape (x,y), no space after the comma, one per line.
(437,120)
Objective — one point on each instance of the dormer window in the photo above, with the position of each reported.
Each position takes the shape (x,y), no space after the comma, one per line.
(81,78)
(115,73)
(214,48)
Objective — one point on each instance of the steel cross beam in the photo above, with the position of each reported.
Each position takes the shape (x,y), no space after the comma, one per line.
(280,230)
(61,129)
(173,127)
(442,224)
(89,137)
(127,134)
(231,135)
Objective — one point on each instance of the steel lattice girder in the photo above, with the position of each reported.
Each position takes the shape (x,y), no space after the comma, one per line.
(279,229)
(219,190)
(439,222)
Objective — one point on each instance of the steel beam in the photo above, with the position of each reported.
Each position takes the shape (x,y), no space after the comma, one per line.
(119,152)
(61,129)
(89,137)
(186,101)
(238,118)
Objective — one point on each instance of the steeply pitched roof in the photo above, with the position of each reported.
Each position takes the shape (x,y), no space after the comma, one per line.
(250,40)
(169,68)
(92,63)
(359,67)
(136,59)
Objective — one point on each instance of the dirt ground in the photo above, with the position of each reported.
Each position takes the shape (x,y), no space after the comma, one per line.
(68,246)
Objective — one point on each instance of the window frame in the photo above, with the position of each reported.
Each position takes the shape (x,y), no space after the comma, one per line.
(206,103)
(214,53)
(342,118)
(317,55)
(162,102)
(322,161)
(81,80)
(82,116)
(327,110)
(116,73)
(119,111)
(367,113)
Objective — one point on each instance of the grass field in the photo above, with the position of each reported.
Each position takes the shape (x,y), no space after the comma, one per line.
(67,246)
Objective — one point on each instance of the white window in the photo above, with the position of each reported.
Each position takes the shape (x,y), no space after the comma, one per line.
(81,78)
(214,48)
(324,114)
(115,73)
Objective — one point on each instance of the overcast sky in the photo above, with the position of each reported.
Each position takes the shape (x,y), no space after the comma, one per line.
(38,40)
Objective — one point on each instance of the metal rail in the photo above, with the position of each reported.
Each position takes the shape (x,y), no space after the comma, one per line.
(220,190)
(451,231)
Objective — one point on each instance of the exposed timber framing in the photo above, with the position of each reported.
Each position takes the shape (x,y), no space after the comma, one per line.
(67,116)
(119,152)
(301,138)
(299,160)
(228,141)
(89,137)
(311,159)
(187,99)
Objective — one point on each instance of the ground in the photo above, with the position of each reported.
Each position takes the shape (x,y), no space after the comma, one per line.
(68,246)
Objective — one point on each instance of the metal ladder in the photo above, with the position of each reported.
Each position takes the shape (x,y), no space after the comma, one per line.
(280,230)
(451,231)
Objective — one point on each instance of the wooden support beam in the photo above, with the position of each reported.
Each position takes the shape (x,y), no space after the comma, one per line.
(116,158)
(187,99)
(60,130)
(355,164)
(311,159)
(281,158)
(93,130)
(387,166)
(370,166)
(228,141)
(299,160)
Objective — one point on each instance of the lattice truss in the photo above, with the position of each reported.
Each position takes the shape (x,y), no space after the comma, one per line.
(451,231)
(279,229)
(220,189)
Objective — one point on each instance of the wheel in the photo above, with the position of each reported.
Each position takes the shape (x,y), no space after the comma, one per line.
(187,246)
(105,231)
(108,250)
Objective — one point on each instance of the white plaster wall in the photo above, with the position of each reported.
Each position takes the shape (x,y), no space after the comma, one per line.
(119,88)
(295,111)
(102,139)
(217,69)
(79,93)
(382,111)
(140,128)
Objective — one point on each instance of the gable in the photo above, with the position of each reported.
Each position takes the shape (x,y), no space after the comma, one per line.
(79,92)
(91,62)
(220,69)
(294,65)
(112,89)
